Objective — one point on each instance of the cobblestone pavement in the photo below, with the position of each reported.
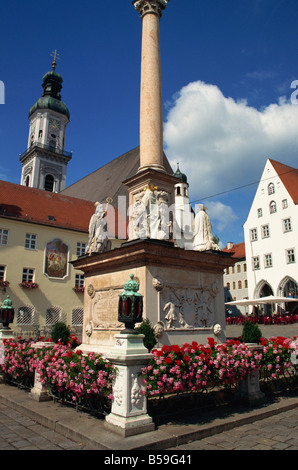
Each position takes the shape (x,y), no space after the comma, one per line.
(279,432)
(19,432)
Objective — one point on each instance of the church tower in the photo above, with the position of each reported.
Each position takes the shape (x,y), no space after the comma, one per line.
(183,213)
(44,163)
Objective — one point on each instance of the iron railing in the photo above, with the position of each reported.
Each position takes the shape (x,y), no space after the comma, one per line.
(46,147)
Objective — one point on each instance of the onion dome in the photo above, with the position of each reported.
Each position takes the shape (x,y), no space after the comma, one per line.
(180,175)
(51,96)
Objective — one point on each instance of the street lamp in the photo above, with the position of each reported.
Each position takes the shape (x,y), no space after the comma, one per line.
(6,313)
(130,306)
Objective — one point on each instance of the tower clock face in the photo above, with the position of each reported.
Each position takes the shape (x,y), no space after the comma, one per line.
(54,124)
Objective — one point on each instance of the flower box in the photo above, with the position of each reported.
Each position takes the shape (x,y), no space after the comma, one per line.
(4,283)
(29,285)
(78,289)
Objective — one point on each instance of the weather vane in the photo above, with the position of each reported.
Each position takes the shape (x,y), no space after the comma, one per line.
(56,57)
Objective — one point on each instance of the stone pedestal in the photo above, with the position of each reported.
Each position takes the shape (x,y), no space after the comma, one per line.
(38,392)
(183,293)
(129,407)
(250,391)
(5,334)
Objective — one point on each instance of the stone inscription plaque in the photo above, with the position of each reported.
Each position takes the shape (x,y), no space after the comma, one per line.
(105,309)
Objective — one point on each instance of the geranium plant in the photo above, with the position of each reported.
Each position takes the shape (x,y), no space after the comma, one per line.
(4,283)
(17,365)
(78,289)
(194,367)
(73,375)
(28,285)
(277,352)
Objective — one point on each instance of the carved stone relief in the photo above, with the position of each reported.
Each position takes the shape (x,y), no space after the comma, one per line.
(103,308)
(187,307)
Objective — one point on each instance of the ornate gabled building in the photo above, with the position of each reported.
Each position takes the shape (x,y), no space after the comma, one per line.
(271,233)
(44,163)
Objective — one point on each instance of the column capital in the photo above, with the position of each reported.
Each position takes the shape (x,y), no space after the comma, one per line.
(150,6)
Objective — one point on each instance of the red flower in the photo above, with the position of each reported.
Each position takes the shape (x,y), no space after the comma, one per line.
(159,353)
(168,360)
(175,349)
(178,362)
(211,342)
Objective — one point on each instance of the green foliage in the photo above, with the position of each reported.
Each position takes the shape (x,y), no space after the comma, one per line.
(60,333)
(251,333)
(147,330)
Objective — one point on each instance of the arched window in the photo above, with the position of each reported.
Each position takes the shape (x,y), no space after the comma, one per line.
(49,183)
(27,180)
(271,188)
(272,207)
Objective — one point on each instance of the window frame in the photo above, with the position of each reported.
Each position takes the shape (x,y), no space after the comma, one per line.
(26,274)
(253,234)
(3,236)
(81,247)
(292,254)
(254,267)
(28,237)
(287,227)
(268,261)
(267,233)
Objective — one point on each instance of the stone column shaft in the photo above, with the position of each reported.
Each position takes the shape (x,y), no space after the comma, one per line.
(151,118)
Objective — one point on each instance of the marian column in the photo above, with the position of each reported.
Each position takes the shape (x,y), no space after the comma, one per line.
(151,190)
(151,123)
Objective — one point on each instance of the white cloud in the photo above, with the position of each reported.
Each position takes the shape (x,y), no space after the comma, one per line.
(221,143)
(220,214)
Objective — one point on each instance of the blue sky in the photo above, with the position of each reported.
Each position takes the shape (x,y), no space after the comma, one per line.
(227,69)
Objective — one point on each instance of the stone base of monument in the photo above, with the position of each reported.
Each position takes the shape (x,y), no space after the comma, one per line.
(129,406)
(38,391)
(249,390)
(183,293)
(5,334)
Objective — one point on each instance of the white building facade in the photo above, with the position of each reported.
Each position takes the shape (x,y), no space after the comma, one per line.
(271,233)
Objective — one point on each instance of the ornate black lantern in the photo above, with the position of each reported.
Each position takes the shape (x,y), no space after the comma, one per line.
(6,313)
(130,306)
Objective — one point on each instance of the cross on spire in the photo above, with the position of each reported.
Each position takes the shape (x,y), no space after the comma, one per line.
(56,57)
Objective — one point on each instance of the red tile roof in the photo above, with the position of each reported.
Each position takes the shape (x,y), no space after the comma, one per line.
(289,177)
(45,208)
(237,251)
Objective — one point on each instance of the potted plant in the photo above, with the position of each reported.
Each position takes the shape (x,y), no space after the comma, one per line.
(60,333)
(146,329)
(251,333)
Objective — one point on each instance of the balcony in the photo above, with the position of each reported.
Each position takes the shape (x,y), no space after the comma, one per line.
(49,148)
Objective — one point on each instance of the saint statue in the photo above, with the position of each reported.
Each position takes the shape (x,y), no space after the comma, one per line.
(98,238)
(203,238)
